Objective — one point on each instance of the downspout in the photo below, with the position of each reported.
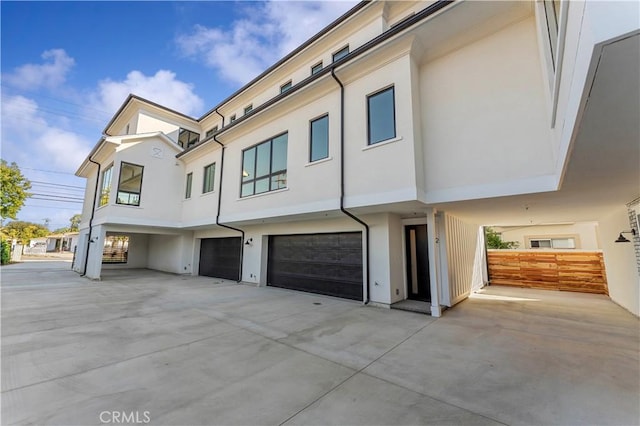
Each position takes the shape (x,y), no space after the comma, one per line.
(220,200)
(93,212)
(342,209)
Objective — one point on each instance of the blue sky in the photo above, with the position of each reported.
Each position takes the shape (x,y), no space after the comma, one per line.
(67,66)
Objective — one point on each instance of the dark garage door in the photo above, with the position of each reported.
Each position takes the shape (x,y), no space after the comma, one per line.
(220,257)
(328,264)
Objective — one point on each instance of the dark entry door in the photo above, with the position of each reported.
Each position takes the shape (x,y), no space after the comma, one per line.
(417,263)
(328,264)
(220,257)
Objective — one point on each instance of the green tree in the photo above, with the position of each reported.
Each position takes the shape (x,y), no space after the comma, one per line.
(494,240)
(15,189)
(24,231)
(5,252)
(75,222)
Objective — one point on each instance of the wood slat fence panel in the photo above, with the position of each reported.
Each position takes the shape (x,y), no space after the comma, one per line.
(547,270)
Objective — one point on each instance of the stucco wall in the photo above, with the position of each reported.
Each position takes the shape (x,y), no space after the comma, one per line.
(623,277)
(481,137)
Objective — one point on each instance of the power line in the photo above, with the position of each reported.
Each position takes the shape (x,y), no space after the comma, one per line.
(57,196)
(64,102)
(51,207)
(57,184)
(58,201)
(48,171)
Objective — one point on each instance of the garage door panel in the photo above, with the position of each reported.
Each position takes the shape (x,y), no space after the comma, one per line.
(220,257)
(328,264)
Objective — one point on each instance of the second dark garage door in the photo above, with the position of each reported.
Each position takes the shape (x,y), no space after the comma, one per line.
(220,257)
(328,264)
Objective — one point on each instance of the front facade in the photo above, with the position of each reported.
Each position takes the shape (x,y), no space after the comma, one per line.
(344,169)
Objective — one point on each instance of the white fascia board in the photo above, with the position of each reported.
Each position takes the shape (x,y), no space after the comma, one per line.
(119,140)
(81,172)
(533,185)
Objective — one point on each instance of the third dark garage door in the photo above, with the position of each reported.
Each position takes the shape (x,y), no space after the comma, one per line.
(328,264)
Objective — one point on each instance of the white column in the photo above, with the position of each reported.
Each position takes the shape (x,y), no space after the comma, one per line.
(96,245)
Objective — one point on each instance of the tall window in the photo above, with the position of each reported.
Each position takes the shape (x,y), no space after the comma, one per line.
(129,184)
(552,12)
(187,138)
(381,116)
(316,68)
(105,185)
(319,139)
(209,175)
(264,166)
(286,86)
(187,190)
(341,53)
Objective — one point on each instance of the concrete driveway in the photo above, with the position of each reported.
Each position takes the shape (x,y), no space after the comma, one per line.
(147,347)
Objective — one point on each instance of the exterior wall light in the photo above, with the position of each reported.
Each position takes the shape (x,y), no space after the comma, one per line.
(248,242)
(622,239)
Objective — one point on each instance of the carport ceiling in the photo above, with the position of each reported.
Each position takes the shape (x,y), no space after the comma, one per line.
(603,171)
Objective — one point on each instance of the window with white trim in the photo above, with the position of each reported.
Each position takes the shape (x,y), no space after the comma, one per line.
(340,53)
(208,179)
(319,138)
(264,166)
(381,116)
(105,185)
(129,184)
(187,190)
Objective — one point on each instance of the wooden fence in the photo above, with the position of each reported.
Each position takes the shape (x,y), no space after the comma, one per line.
(548,270)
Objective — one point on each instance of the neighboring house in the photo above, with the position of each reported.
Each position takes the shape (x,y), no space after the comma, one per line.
(62,242)
(38,242)
(579,236)
(362,164)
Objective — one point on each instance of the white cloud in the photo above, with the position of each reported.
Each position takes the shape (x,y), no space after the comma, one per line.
(52,73)
(162,88)
(268,32)
(29,139)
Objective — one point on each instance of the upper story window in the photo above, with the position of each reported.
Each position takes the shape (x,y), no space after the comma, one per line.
(232,118)
(128,126)
(381,116)
(286,86)
(105,185)
(552,13)
(210,132)
(187,138)
(187,190)
(556,243)
(319,138)
(209,175)
(264,166)
(129,184)
(248,109)
(340,53)
(316,68)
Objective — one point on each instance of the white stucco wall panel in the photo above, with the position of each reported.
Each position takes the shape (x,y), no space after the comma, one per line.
(149,124)
(201,207)
(162,180)
(309,186)
(623,278)
(383,172)
(477,127)
(167,253)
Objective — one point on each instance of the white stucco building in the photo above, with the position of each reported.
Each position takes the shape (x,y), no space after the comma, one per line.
(362,164)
